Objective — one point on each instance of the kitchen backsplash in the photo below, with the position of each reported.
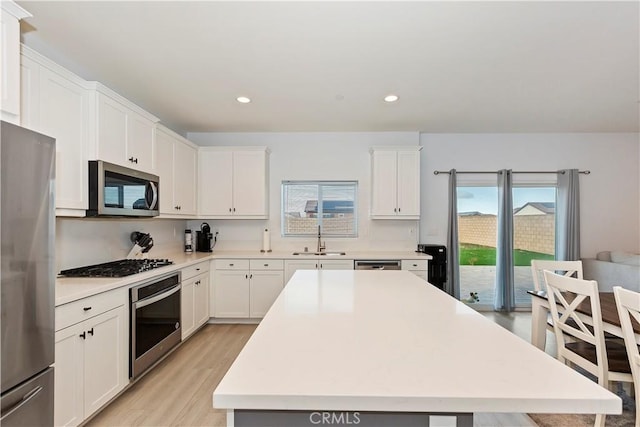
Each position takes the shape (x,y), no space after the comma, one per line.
(87,241)
(372,236)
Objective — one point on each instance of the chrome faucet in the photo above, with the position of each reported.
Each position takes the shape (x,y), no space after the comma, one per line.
(321,247)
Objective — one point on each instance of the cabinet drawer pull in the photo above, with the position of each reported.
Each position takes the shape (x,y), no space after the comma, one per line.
(198,269)
(90,331)
(266,265)
(230,265)
(86,308)
(415,265)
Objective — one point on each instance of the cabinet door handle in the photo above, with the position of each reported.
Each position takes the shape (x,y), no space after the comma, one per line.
(136,161)
(87,308)
(83,336)
(229,209)
(395,209)
(234,209)
(246,276)
(415,265)
(90,331)
(251,276)
(398,209)
(197,269)
(131,159)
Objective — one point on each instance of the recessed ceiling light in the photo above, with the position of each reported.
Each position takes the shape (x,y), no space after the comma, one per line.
(391,98)
(243,100)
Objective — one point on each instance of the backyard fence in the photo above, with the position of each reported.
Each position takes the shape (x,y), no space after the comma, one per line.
(535,233)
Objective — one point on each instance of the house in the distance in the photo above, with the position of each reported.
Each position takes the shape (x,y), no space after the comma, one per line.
(535,208)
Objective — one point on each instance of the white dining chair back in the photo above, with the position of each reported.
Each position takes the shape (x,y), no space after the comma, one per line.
(628,305)
(566,268)
(578,343)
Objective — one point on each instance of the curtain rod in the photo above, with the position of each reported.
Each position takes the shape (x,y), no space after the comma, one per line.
(587,172)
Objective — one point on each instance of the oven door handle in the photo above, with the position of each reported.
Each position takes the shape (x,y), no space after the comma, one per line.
(147,301)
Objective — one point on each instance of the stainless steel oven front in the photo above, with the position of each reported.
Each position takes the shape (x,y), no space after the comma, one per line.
(155,321)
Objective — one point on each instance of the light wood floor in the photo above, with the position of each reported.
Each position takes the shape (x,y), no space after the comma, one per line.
(178,392)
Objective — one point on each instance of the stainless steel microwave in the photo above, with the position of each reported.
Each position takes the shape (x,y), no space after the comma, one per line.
(118,191)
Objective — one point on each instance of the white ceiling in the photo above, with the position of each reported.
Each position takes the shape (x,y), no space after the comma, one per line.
(325,66)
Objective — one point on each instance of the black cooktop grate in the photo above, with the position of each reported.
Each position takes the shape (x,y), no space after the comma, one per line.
(120,268)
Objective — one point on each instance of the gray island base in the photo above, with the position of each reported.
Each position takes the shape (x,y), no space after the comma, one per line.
(262,418)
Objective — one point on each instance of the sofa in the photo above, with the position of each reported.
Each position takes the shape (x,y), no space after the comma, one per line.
(613,268)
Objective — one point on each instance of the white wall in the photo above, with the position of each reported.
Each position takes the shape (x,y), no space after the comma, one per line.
(315,156)
(87,241)
(609,196)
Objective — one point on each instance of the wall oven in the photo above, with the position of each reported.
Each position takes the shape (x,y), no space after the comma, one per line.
(118,191)
(155,321)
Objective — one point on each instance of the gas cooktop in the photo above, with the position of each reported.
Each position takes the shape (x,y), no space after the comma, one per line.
(120,268)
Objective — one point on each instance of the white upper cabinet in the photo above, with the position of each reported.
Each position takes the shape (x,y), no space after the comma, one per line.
(395,182)
(122,132)
(10,16)
(55,103)
(175,160)
(233,182)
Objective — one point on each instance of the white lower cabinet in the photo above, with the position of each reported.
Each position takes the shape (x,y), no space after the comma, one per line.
(293,265)
(194,298)
(246,288)
(416,266)
(91,357)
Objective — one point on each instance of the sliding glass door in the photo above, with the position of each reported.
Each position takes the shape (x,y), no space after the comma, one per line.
(534,233)
(477,208)
(534,238)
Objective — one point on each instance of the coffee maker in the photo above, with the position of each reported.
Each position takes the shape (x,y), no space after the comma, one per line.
(204,238)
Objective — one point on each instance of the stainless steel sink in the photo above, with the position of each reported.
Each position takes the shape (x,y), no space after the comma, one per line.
(320,253)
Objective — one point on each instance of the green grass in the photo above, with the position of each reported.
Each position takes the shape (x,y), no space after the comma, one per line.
(484,255)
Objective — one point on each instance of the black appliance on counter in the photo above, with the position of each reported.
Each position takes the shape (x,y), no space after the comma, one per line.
(204,238)
(437,273)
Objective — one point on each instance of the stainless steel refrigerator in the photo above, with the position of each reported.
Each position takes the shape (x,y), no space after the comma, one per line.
(27,229)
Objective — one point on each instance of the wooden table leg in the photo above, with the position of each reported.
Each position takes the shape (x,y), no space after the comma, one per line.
(539,311)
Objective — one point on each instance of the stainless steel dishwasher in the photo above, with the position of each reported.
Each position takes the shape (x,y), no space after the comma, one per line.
(378,264)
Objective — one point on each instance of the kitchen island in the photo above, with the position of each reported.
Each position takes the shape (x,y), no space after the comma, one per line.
(383,348)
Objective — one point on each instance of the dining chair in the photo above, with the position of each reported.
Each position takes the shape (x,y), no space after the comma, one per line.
(628,305)
(578,343)
(566,268)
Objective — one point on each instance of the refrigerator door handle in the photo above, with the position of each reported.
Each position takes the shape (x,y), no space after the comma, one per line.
(27,397)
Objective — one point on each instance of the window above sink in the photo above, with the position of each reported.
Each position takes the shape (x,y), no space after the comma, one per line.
(332,205)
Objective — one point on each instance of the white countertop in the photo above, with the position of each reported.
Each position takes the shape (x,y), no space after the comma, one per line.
(72,289)
(384,341)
